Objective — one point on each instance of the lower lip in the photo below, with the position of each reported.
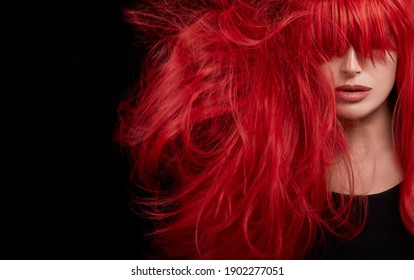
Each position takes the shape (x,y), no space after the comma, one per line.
(351,96)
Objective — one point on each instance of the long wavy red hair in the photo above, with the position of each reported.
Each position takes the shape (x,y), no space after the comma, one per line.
(232,127)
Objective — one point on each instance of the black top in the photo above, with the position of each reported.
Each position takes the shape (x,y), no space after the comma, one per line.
(383,237)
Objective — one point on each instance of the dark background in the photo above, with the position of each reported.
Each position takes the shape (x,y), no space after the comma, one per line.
(81,186)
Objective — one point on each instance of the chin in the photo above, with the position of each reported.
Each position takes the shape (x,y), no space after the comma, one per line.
(355,112)
(352,115)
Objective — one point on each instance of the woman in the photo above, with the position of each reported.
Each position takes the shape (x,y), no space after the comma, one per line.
(251,136)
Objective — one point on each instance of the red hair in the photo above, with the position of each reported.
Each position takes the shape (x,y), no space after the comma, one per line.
(233,126)
(380,25)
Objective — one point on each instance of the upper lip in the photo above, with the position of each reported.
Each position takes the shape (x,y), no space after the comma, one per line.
(352,88)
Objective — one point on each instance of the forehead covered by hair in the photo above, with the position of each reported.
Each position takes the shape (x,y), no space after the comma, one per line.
(367,25)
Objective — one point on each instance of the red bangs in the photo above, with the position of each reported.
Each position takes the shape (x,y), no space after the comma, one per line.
(366,25)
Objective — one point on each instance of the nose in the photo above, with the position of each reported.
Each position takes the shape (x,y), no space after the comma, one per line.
(351,66)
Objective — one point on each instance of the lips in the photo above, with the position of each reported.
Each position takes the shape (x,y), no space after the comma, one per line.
(352,88)
(352,93)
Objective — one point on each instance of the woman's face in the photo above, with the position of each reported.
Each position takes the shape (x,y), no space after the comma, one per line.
(362,86)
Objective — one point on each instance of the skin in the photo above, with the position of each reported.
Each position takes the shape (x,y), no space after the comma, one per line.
(372,156)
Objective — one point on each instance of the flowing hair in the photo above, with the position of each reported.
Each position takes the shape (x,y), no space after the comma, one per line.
(232,126)
(379,25)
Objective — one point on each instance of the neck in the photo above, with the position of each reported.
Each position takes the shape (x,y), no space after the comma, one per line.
(371,156)
(371,134)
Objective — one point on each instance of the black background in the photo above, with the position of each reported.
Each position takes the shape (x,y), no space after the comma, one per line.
(80,178)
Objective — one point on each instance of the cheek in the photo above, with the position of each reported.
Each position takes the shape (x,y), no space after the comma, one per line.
(327,70)
(385,75)
(384,72)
